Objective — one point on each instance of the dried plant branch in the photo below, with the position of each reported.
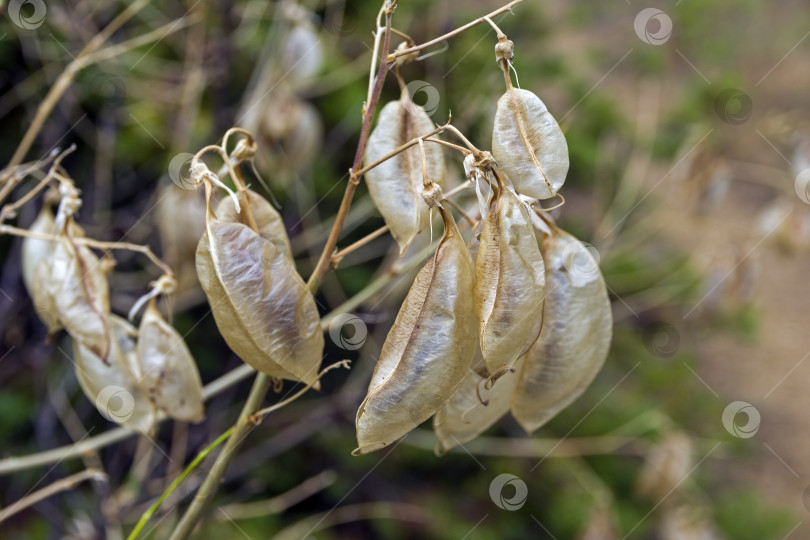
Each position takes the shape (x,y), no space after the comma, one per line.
(445,37)
(60,485)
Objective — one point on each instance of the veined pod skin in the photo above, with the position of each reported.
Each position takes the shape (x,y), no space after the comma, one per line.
(396,184)
(35,277)
(509,281)
(466,416)
(529,145)
(428,351)
(576,334)
(169,375)
(112,386)
(77,284)
(262,307)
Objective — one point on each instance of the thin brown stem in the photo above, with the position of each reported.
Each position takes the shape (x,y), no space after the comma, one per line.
(60,485)
(325,259)
(336,258)
(445,37)
(66,78)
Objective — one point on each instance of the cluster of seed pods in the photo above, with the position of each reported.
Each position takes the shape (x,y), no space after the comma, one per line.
(149,369)
(516,320)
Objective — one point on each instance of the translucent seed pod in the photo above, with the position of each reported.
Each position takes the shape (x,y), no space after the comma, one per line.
(302,54)
(396,184)
(112,386)
(292,131)
(76,281)
(473,408)
(262,307)
(528,144)
(509,281)
(428,351)
(576,333)
(34,251)
(169,375)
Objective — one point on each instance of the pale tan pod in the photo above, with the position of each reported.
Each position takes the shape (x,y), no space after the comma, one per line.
(77,285)
(428,351)
(575,337)
(34,252)
(509,282)
(396,184)
(168,375)
(528,145)
(262,307)
(112,386)
(465,416)
(267,218)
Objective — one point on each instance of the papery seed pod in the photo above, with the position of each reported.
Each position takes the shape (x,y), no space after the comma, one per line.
(112,386)
(34,251)
(262,307)
(302,54)
(428,351)
(292,130)
(509,282)
(169,375)
(77,285)
(576,333)
(267,218)
(686,522)
(181,222)
(667,465)
(396,184)
(528,144)
(474,408)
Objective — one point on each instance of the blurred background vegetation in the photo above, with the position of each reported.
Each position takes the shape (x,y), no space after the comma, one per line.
(683,159)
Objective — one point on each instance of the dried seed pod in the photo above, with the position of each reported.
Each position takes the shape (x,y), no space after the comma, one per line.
(668,463)
(428,350)
(112,385)
(35,277)
(169,375)
(509,282)
(77,284)
(474,408)
(528,144)
(180,222)
(575,337)
(266,217)
(396,184)
(292,130)
(262,307)
(302,54)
